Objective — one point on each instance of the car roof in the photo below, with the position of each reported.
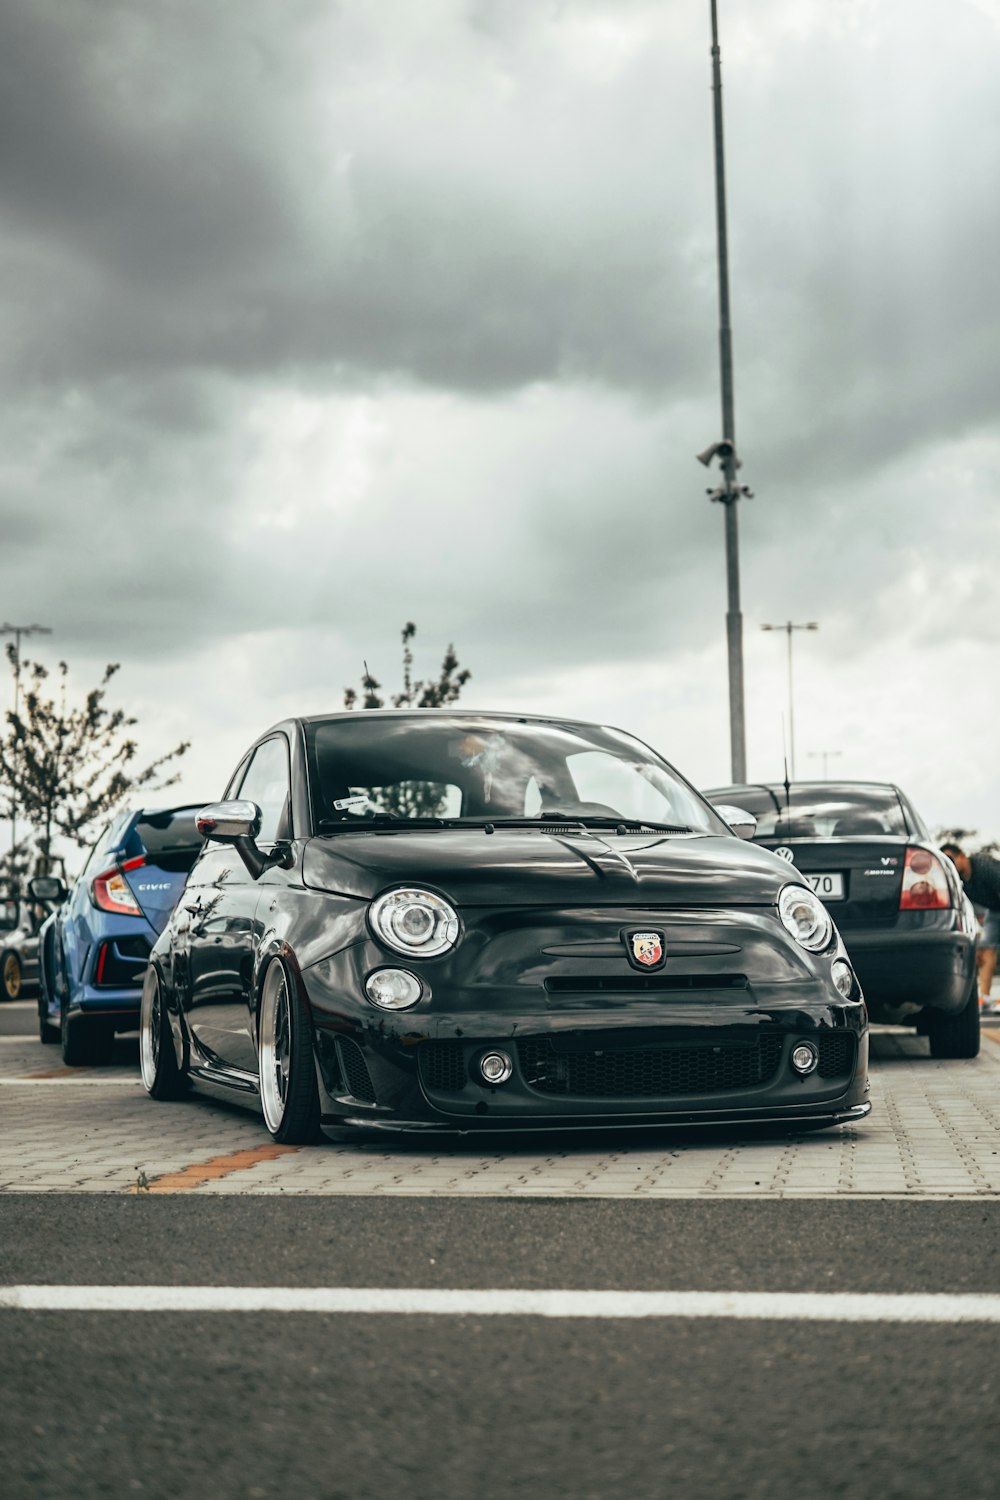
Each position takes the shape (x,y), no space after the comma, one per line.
(350,715)
(817,786)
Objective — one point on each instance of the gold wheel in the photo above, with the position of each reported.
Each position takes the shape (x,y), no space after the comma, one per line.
(12,976)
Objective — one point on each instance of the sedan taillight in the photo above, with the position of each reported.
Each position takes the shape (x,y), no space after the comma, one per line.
(110,891)
(925,884)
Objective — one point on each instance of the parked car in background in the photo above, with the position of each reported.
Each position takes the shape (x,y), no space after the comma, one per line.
(20,922)
(451,921)
(94,949)
(21,919)
(897,899)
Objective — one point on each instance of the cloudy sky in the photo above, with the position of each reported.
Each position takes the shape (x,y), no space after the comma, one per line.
(319,316)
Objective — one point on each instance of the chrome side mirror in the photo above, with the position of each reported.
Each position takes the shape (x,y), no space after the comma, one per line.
(229,821)
(238,823)
(47,888)
(743,824)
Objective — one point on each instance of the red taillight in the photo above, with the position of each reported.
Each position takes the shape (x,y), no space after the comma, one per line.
(102,959)
(925,884)
(110,891)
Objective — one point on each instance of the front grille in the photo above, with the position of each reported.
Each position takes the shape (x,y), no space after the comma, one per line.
(355,1071)
(649,1072)
(836,1054)
(442,1066)
(628,984)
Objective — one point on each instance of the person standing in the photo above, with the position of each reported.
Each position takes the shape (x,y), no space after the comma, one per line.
(981,878)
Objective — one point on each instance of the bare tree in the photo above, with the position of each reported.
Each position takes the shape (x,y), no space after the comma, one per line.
(72,765)
(407,799)
(446,688)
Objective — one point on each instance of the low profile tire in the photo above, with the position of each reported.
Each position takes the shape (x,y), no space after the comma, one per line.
(157,1059)
(288,1092)
(957,1035)
(11,976)
(86,1042)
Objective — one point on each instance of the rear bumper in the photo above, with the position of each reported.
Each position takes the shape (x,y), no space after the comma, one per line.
(119,1006)
(912,970)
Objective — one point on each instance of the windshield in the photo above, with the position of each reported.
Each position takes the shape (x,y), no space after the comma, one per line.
(820,811)
(453,767)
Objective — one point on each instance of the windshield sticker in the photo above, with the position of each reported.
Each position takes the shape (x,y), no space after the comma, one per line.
(350,804)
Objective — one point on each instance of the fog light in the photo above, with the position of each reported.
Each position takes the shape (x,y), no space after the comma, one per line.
(804,1057)
(393,989)
(843,976)
(496,1067)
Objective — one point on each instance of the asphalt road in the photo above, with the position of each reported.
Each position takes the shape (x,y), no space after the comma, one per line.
(349,1407)
(410,1406)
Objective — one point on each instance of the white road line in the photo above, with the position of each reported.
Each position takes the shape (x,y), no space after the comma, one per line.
(819,1307)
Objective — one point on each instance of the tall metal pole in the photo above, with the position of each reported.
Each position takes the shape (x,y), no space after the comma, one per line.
(729,493)
(17,631)
(788,627)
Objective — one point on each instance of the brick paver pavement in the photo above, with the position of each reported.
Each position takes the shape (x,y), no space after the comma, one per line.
(934,1131)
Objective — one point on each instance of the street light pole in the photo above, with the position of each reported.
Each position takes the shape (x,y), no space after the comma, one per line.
(788,627)
(729,492)
(17,631)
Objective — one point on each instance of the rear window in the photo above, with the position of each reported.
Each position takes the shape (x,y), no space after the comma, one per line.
(170,839)
(821,812)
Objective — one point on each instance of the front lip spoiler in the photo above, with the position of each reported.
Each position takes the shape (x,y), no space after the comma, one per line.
(694,1121)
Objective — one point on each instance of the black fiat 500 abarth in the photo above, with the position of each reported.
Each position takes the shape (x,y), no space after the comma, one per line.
(451,921)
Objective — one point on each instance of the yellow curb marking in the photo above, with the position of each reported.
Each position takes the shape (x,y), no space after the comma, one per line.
(209,1171)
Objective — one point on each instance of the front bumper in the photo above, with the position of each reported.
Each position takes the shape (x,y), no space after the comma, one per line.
(706,1039)
(701,1065)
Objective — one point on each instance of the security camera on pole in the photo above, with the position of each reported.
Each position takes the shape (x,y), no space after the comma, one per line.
(725,449)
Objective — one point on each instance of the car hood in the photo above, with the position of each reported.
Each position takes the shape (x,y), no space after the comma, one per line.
(530,866)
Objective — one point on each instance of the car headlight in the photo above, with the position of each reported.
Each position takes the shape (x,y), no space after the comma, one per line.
(805,916)
(414,922)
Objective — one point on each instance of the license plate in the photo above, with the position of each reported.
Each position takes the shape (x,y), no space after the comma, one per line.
(827,887)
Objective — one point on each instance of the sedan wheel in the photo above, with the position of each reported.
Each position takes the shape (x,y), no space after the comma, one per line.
(11,976)
(158,1060)
(958,1035)
(288,1091)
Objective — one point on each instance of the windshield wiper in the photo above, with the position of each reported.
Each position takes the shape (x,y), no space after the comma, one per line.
(591,820)
(381,820)
(397,823)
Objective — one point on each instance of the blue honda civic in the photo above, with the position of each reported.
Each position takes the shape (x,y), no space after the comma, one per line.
(94,948)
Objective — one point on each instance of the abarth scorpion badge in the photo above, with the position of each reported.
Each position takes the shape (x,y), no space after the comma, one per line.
(646,948)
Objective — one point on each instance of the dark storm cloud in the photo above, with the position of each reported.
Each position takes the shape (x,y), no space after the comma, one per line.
(230,190)
(225,226)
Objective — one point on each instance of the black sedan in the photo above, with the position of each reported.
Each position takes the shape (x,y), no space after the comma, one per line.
(898,901)
(450,921)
